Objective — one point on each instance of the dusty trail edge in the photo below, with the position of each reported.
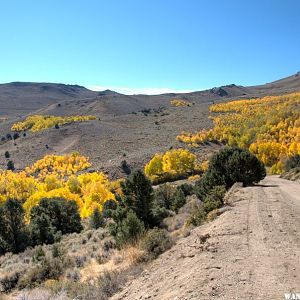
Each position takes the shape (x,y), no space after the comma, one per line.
(253,251)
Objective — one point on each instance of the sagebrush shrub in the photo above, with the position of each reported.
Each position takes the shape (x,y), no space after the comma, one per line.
(39,254)
(155,242)
(198,217)
(47,269)
(214,199)
(292,162)
(187,189)
(9,281)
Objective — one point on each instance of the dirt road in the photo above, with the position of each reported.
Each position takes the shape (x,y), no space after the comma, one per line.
(253,252)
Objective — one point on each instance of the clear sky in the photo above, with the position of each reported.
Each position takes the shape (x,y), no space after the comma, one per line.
(149,45)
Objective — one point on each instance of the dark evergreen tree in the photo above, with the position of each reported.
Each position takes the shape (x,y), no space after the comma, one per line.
(6,154)
(228,166)
(159,210)
(138,196)
(164,195)
(13,234)
(129,229)
(96,219)
(108,207)
(16,135)
(10,165)
(52,217)
(41,230)
(125,167)
(187,189)
(178,200)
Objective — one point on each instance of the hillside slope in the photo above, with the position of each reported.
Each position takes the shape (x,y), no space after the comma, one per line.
(19,98)
(132,127)
(252,252)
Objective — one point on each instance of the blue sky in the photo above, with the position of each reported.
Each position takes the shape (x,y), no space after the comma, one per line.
(150,46)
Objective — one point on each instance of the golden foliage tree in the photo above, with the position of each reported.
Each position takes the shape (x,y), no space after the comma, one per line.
(172,164)
(56,176)
(179,102)
(39,122)
(269,127)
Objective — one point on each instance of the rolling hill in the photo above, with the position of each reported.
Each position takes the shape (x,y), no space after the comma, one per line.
(128,127)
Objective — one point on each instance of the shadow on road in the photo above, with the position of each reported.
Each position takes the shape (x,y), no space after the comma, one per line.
(263,185)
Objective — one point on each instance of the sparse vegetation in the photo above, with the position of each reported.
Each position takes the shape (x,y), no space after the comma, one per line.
(9,281)
(155,242)
(49,268)
(292,162)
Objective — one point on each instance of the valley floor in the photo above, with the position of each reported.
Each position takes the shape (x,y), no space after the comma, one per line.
(252,252)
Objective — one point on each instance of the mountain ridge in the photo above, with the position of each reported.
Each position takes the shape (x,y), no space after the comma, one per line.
(131,126)
(25,84)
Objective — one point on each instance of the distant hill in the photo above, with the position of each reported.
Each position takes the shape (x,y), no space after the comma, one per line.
(21,98)
(17,98)
(127,127)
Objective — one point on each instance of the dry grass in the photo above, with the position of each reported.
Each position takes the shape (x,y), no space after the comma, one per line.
(79,249)
(293,174)
(42,294)
(119,260)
